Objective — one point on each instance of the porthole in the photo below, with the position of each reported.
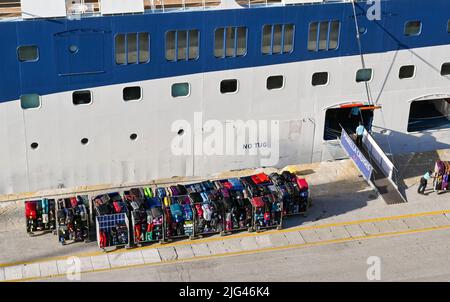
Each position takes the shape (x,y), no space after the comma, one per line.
(73,49)
(34,146)
(84,141)
(133,136)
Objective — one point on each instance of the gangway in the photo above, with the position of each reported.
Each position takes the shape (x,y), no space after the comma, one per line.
(376,168)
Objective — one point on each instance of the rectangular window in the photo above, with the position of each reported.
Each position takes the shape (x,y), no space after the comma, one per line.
(312,38)
(30,101)
(182,45)
(277,39)
(413,28)
(228,86)
(132,48)
(364,75)
(230,42)
(448,26)
(319,79)
(445,69)
(324,35)
(181,90)
(407,72)
(144,47)
(83,97)
(132,93)
(275,82)
(28,53)
(121,49)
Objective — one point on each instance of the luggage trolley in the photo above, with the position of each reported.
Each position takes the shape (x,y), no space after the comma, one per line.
(73,222)
(208,208)
(267,207)
(237,208)
(299,201)
(111,220)
(147,217)
(179,217)
(40,216)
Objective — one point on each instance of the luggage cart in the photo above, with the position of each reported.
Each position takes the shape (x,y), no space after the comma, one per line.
(40,216)
(73,222)
(267,212)
(112,220)
(208,212)
(147,218)
(179,217)
(237,208)
(298,189)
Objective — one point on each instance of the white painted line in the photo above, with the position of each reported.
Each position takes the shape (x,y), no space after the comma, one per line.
(31,270)
(151,255)
(134,258)
(117,259)
(167,253)
(201,249)
(100,262)
(249,243)
(294,238)
(13,272)
(184,251)
(49,268)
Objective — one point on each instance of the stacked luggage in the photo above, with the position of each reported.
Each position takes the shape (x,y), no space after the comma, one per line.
(73,219)
(111,220)
(208,208)
(179,215)
(237,208)
(40,215)
(267,209)
(143,215)
(442,171)
(147,217)
(293,191)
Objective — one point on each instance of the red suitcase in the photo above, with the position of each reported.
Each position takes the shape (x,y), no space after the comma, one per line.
(302,183)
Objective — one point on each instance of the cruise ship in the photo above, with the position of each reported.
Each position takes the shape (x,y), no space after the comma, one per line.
(97,92)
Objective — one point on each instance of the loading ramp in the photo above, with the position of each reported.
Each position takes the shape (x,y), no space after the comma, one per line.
(375,166)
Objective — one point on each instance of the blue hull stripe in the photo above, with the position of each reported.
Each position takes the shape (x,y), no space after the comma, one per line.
(58,70)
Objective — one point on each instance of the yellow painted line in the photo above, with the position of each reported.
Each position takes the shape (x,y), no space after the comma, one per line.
(249,252)
(237,236)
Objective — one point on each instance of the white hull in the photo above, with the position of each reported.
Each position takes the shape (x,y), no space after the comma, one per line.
(111,157)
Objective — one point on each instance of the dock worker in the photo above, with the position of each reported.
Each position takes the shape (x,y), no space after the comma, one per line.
(424,181)
(354,114)
(359,135)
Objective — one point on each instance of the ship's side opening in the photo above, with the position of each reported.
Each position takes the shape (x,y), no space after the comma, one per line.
(429,115)
(337,117)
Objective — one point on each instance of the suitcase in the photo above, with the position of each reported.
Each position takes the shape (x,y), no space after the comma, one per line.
(73,202)
(30,210)
(302,183)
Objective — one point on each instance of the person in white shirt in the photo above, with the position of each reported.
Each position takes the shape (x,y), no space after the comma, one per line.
(359,135)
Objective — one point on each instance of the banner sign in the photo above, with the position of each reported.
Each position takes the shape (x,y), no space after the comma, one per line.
(358,158)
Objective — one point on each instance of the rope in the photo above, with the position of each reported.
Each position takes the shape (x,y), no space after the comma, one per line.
(363,63)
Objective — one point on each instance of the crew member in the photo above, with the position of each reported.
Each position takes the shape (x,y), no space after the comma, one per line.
(359,135)
(424,181)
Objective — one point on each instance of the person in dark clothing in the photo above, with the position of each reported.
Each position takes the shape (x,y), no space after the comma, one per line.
(424,181)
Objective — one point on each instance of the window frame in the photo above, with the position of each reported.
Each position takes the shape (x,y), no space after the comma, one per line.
(235,42)
(133,100)
(32,108)
(408,78)
(180,96)
(279,88)
(38,54)
(317,40)
(320,85)
(84,104)
(282,44)
(442,67)
(371,75)
(188,31)
(232,92)
(138,50)
(413,35)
